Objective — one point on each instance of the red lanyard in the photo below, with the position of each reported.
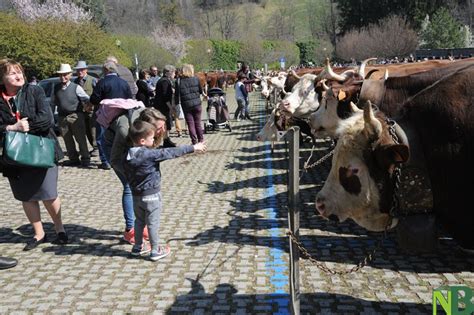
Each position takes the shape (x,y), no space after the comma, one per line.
(7,99)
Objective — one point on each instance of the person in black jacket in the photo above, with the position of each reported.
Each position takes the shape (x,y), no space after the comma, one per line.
(144,91)
(23,108)
(110,86)
(188,94)
(164,92)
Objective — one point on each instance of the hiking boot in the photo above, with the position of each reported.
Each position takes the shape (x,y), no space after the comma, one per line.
(139,251)
(167,143)
(162,252)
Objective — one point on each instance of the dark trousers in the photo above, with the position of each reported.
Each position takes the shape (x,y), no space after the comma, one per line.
(89,119)
(193,120)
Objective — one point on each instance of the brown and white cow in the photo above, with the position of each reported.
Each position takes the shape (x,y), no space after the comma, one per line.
(336,104)
(439,125)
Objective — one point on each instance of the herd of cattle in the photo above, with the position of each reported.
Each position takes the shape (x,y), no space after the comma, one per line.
(418,116)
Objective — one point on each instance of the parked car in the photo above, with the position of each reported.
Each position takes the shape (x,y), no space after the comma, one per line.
(95,71)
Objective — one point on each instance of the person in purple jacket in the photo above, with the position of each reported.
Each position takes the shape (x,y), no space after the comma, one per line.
(142,168)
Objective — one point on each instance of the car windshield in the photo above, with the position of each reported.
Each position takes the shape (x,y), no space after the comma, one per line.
(47,87)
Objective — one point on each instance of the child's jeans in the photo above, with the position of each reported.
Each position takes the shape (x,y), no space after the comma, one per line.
(147,212)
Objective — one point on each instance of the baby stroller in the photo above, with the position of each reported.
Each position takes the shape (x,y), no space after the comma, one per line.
(217,111)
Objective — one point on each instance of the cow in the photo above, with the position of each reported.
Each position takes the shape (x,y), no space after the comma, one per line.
(275,122)
(339,99)
(437,126)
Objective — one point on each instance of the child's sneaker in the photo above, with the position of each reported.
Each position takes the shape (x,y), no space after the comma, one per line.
(129,236)
(145,249)
(163,251)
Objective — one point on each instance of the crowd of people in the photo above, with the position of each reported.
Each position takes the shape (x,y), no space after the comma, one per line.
(24,108)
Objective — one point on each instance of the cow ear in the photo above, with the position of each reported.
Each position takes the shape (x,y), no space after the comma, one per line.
(392,154)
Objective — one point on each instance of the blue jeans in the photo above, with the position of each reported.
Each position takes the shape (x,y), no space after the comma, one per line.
(99,139)
(127,199)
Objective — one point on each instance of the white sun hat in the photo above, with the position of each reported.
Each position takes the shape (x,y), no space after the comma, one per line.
(64,68)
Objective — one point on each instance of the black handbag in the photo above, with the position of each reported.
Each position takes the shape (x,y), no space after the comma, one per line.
(23,149)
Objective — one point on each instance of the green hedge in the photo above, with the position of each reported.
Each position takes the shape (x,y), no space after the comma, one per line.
(225,54)
(199,53)
(42,46)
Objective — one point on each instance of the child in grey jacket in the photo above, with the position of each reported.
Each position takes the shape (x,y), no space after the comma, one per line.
(142,168)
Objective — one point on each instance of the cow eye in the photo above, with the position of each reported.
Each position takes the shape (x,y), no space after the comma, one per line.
(355,170)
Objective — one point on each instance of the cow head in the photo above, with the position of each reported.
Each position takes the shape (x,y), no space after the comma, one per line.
(332,116)
(359,185)
(303,98)
(275,122)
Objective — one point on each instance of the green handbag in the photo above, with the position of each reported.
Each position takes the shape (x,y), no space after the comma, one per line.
(23,149)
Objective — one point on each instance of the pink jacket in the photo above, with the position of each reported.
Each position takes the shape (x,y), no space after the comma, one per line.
(110,109)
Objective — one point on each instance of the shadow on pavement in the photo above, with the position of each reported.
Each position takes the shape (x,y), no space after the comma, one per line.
(225,300)
(82,240)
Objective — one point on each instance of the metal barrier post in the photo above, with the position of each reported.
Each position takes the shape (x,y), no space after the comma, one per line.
(293,135)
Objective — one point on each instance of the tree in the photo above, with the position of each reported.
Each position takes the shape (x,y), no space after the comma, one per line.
(171,38)
(227,21)
(199,53)
(281,24)
(171,15)
(391,37)
(148,52)
(30,10)
(357,14)
(443,31)
(43,45)
(251,50)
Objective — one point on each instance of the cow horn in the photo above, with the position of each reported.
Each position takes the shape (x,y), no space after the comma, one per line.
(323,83)
(362,66)
(332,74)
(372,126)
(353,108)
(294,74)
(385,75)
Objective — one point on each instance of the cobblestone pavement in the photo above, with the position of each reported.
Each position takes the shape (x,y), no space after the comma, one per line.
(225,218)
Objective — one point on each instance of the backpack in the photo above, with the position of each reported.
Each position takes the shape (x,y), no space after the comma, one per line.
(110,109)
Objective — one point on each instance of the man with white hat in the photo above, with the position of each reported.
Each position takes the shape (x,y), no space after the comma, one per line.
(87,82)
(69,98)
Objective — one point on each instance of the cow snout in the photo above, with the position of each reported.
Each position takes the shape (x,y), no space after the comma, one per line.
(259,137)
